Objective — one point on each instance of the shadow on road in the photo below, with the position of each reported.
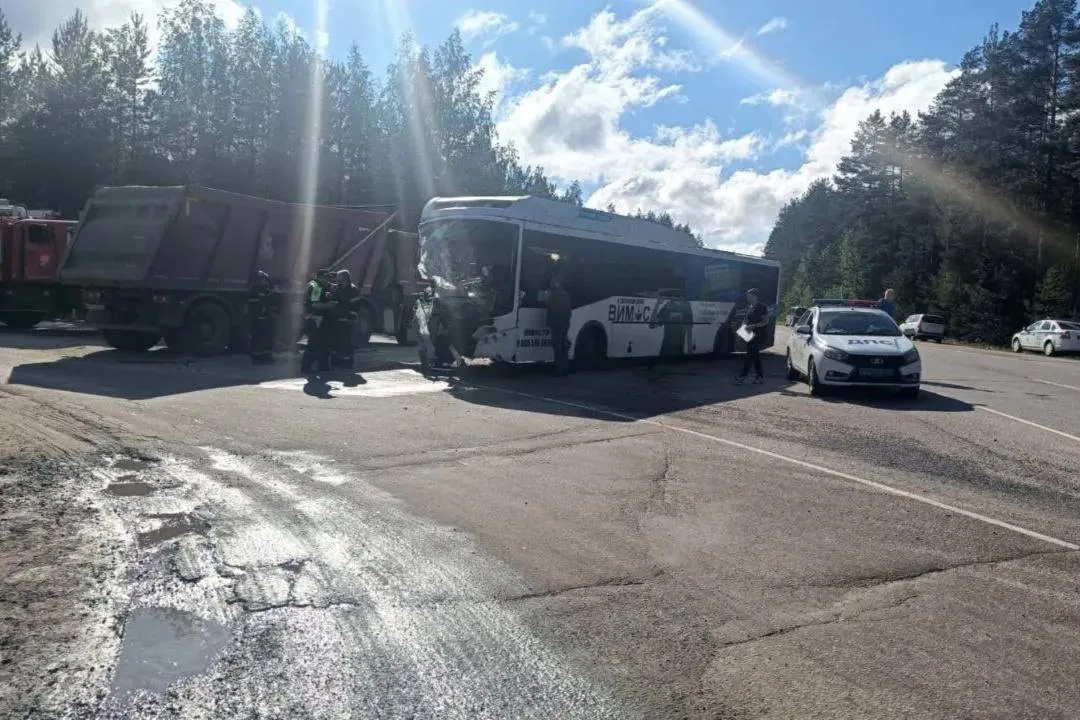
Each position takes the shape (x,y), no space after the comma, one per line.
(883,399)
(632,388)
(159,373)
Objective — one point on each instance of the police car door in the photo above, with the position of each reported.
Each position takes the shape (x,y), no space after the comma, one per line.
(800,344)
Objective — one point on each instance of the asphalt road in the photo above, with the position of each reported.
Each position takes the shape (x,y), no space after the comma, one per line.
(634,543)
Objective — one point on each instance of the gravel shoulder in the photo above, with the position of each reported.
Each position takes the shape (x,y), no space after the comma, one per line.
(62,557)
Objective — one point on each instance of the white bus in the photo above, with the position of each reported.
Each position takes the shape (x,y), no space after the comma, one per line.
(638,289)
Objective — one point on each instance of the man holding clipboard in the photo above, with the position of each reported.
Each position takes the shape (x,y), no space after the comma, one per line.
(754,320)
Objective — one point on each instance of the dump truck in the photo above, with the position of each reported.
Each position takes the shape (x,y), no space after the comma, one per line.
(31,251)
(177,263)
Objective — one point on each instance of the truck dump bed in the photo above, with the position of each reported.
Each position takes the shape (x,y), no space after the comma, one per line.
(198,238)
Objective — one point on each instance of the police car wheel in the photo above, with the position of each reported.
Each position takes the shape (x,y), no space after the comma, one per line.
(792,373)
(1048,349)
(816,388)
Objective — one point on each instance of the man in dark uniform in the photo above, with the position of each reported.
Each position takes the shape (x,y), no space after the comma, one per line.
(558,322)
(677,317)
(261,316)
(344,297)
(316,324)
(755,321)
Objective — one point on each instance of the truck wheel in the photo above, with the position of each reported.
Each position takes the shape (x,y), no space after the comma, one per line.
(207,330)
(362,328)
(131,340)
(21,320)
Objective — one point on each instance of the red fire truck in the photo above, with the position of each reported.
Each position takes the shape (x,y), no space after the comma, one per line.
(31,250)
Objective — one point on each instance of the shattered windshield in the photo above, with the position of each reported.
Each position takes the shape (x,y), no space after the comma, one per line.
(458,254)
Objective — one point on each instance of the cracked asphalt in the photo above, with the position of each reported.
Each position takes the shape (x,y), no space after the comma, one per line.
(630,544)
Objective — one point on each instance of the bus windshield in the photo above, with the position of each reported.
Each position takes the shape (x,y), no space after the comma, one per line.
(458,255)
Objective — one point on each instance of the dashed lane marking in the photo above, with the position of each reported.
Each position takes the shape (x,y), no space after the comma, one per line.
(1060,385)
(880,487)
(1022,421)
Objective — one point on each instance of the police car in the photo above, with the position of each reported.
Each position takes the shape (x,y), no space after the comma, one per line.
(852,344)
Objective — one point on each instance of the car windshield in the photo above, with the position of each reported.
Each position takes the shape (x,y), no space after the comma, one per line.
(932,319)
(849,322)
(1065,325)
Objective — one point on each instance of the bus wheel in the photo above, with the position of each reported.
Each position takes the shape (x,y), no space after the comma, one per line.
(590,349)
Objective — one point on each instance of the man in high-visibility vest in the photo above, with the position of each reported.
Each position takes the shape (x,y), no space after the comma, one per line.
(316,325)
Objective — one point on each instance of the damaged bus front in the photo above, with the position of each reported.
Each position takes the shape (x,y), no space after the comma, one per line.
(471,264)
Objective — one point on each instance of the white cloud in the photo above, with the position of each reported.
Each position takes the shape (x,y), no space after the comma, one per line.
(777,23)
(485,24)
(498,77)
(37,19)
(572,123)
(779,97)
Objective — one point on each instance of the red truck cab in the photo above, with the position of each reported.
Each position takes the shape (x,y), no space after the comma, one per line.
(31,252)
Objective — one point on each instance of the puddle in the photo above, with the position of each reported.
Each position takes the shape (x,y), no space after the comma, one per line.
(163,645)
(173,527)
(129,489)
(131,464)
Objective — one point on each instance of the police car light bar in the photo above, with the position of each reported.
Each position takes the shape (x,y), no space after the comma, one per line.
(842,302)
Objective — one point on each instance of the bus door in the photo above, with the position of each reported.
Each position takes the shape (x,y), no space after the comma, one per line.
(538,265)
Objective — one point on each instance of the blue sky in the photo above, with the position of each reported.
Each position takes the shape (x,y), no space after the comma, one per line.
(717,111)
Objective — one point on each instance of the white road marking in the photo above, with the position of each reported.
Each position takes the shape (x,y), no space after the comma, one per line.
(881,487)
(1074,438)
(381,384)
(1060,385)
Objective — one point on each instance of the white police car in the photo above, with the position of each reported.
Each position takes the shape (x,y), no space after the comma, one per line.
(852,346)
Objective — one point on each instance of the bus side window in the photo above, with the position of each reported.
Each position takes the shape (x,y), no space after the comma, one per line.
(722,282)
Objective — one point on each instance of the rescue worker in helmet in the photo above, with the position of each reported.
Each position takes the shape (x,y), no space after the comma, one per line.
(262,311)
(345,297)
(317,308)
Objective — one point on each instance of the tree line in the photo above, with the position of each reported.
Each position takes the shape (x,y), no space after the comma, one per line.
(232,109)
(971,209)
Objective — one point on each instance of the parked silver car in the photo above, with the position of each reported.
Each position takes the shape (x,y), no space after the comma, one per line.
(1052,337)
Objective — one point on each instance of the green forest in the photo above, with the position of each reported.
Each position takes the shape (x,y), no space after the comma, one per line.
(972,209)
(231,109)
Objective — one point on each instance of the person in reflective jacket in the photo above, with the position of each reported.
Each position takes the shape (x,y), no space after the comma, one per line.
(262,309)
(317,307)
(345,298)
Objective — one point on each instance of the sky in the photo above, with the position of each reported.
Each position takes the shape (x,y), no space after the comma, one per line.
(717,111)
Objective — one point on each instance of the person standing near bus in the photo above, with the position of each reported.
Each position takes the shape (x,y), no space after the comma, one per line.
(558,322)
(755,321)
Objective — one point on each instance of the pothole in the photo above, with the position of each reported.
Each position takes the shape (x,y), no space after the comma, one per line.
(129,489)
(173,527)
(162,645)
(130,464)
